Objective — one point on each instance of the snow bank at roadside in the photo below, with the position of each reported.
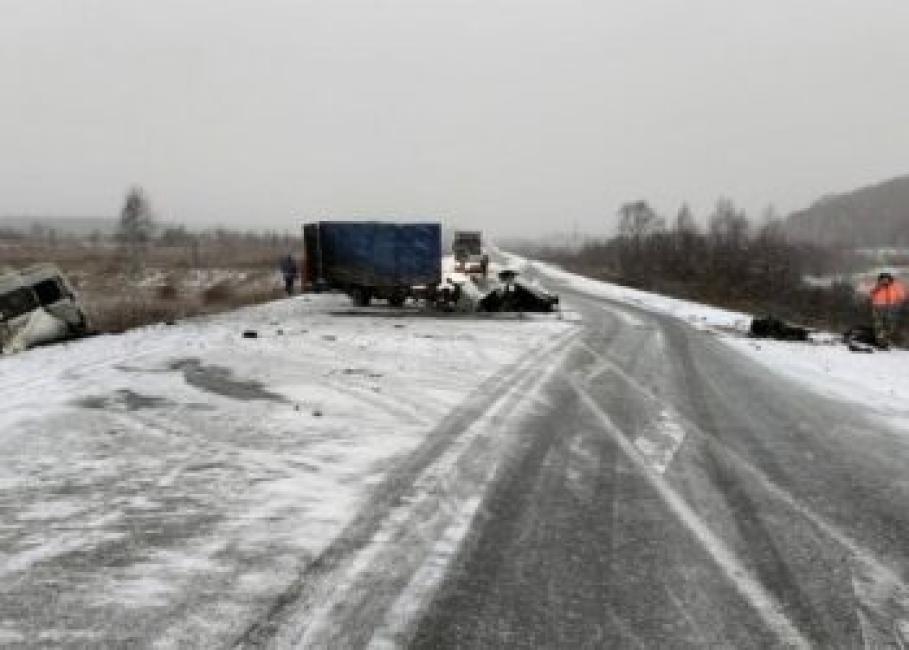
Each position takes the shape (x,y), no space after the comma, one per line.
(699,315)
(877,381)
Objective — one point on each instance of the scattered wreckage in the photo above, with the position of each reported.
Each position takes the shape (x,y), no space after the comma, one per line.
(508,294)
(37,306)
(861,338)
(770,327)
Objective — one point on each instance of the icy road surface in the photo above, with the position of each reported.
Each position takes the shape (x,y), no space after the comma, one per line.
(642,476)
(650,481)
(169,487)
(878,383)
(686,489)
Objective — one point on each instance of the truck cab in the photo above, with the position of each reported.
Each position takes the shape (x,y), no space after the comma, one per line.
(467,248)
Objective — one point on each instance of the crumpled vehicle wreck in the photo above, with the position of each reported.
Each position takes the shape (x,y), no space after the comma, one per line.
(506,294)
(37,306)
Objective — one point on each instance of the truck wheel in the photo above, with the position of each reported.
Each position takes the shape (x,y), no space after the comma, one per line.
(361,296)
(397,299)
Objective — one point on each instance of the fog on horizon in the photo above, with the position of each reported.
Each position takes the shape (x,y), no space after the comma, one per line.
(518,117)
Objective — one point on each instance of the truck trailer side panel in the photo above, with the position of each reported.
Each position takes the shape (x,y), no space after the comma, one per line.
(375,254)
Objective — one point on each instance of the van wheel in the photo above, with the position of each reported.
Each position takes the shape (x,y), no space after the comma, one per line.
(81,325)
(397,300)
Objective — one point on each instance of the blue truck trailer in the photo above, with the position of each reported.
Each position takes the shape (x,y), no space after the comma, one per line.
(372,259)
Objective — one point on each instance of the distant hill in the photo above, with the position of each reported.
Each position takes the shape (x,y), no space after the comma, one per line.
(874,216)
(81,226)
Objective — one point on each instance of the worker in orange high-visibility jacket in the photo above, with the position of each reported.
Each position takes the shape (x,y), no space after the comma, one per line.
(887,298)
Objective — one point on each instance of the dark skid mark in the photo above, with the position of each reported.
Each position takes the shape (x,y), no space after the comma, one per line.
(138,370)
(134,401)
(361,371)
(220,381)
(125,398)
(374,312)
(201,467)
(200,407)
(94,402)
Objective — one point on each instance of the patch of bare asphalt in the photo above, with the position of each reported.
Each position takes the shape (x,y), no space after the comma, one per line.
(221,381)
(122,399)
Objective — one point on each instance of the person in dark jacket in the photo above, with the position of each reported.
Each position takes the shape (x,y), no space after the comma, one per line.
(289,271)
(484,265)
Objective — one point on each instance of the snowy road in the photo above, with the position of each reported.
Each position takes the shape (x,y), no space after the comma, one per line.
(676,494)
(168,487)
(627,480)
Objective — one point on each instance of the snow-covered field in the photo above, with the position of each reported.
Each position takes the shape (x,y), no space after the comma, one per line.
(167,483)
(878,382)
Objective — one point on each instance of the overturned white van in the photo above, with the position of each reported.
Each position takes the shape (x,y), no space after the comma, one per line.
(37,305)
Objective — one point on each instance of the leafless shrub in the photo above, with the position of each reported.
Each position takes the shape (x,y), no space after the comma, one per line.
(221,292)
(127,313)
(167,291)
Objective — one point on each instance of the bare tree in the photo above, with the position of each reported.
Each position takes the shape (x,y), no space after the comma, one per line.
(136,228)
(638,222)
(728,224)
(770,215)
(637,219)
(684,220)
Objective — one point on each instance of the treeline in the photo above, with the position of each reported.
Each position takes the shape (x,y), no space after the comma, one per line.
(732,262)
(137,225)
(138,238)
(163,236)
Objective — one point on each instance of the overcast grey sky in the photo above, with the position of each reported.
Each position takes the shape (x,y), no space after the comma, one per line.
(517,115)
